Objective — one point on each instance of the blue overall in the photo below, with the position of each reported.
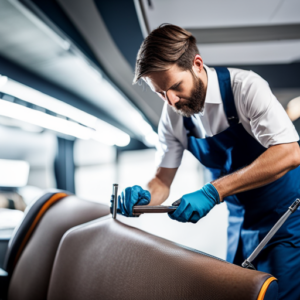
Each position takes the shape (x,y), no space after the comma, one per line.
(253,213)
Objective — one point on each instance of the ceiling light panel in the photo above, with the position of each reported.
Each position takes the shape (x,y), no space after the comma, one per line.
(218,13)
(50,113)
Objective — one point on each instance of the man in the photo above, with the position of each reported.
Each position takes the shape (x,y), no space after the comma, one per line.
(232,123)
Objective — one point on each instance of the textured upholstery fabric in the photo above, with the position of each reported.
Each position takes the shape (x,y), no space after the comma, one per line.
(31,275)
(106,259)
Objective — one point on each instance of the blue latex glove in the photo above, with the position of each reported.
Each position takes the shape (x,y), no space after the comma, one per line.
(132,196)
(195,206)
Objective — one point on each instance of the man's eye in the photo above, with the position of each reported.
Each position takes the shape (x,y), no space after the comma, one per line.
(176,88)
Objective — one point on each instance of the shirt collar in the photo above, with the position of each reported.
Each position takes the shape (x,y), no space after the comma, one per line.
(213,95)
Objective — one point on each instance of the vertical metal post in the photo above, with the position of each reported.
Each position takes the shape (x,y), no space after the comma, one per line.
(248,262)
(115,206)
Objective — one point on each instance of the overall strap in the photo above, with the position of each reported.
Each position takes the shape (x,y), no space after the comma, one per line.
(188,124)
(227,95)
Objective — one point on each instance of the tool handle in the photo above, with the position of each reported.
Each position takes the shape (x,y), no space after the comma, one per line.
(141,209)
(270,234)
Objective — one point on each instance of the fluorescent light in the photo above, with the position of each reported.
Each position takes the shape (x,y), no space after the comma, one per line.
(33,96)
(110,134)
(293,109)
(14,173)
(38,118)
(96,129)
(10,122)
(150,137)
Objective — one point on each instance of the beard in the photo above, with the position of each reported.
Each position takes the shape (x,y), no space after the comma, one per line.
(195,103)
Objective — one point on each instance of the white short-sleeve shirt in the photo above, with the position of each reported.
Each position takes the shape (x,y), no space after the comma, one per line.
(258,110)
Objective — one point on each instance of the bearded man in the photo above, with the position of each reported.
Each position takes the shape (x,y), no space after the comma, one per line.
(233,124)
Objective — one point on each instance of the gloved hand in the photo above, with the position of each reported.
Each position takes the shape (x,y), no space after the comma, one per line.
(196,205)
(132,196)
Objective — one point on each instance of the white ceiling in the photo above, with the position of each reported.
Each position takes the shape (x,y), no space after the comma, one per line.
(222,13)
(199,14)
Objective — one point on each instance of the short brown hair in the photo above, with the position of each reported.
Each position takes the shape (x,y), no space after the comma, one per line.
(164,46)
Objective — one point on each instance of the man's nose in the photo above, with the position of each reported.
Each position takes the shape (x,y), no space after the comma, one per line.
(172,97)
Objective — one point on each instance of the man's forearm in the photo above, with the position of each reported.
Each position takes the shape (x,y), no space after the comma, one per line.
(271,165)
(159,186)
(158,190)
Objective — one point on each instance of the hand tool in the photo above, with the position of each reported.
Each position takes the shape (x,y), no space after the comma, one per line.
(248,262)
(138,209)
(141,209)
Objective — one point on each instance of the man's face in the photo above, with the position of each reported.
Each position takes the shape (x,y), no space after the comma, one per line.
(184,91)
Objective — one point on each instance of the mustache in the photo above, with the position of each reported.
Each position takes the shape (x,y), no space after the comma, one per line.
(181,104)
(184,108)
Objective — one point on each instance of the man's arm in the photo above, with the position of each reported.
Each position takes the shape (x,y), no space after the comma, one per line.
(159,186)
(271,165)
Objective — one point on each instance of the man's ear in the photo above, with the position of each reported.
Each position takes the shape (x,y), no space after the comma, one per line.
(198,64)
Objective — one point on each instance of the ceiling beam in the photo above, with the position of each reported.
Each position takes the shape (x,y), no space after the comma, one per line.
(246,34)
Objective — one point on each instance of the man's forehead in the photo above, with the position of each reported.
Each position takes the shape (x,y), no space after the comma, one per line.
(163,80)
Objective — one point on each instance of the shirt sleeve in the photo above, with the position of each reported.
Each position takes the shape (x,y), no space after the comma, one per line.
(269,122)
(170,150)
